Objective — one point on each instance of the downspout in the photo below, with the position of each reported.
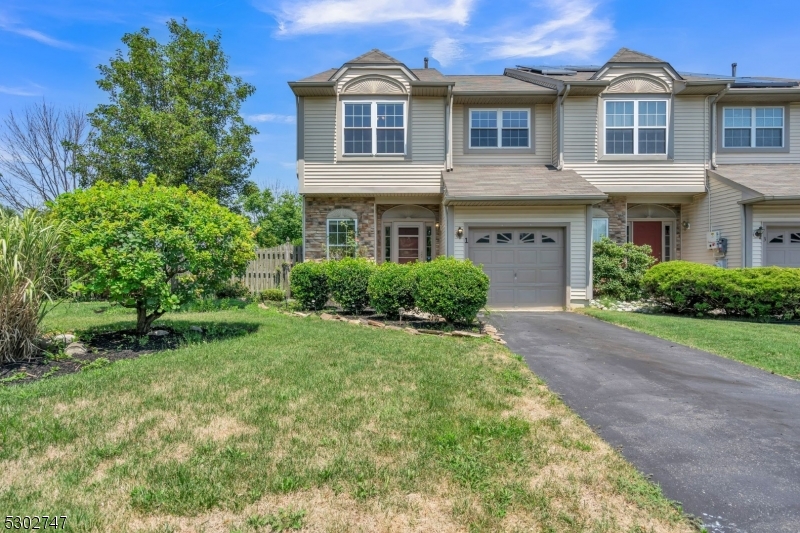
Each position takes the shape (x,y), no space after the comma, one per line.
(560,164)
(449,162)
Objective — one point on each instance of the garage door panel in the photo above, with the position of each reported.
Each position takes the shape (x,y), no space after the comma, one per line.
(526,266)
(782,246)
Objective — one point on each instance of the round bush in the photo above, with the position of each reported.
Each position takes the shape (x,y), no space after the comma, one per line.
(348,280)
(309,285)
(272,295)
(683,287)
(618,269)
(392,288)
(453,289)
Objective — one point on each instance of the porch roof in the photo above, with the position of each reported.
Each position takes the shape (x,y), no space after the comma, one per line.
(515,183)
(762,183)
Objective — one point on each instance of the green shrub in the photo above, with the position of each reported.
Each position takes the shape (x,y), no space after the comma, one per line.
(273,295)
(619,269)
(683,287)
(309,285)
(348,280)
(453,289)
(392,288)
(233,289)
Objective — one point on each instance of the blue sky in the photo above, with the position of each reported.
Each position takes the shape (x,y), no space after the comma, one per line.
(51,48)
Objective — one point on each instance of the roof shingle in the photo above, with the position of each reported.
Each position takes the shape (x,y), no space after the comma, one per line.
(517,182)
(375,56)
(626,55)
(772,181)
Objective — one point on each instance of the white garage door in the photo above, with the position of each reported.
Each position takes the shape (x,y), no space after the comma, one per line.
(783,246)
(525,266)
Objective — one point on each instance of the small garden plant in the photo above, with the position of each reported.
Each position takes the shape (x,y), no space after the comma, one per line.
(619,269)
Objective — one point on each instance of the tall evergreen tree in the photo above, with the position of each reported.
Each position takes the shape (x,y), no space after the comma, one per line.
(173,111)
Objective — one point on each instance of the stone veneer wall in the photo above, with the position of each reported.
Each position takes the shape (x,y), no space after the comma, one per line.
(435,208)
(617,209)
(316,215)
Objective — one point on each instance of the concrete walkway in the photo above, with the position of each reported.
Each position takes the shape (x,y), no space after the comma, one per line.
(720,437)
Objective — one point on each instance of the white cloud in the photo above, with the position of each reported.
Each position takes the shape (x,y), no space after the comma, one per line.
(7,25)
(446,50)
(271,117)
(18,91)
(321,16)
(574,29)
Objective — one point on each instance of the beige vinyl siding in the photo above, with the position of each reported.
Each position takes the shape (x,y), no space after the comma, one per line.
(726,217)
(689,130)
(372,177)
(793,156)
(576,215)
(542,126)
(774,215)
(660,73)
(427,130)
(319,129)
(580,130)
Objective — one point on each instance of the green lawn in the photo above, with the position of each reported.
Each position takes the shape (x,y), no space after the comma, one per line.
(773,347)
(302,423)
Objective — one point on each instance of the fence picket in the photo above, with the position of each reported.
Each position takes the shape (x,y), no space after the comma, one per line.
(270,269)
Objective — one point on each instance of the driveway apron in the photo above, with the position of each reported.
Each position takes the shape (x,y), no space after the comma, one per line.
(720,437)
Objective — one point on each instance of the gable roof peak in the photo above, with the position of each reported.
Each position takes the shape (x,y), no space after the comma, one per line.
(626,55)
(374,56)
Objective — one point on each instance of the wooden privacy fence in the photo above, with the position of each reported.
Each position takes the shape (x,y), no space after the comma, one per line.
(271,267)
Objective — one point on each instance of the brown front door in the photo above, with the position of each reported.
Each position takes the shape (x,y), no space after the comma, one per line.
(648,232)
(408,243)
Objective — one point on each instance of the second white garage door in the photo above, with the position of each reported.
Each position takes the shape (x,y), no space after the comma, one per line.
(783,247)
(526,266)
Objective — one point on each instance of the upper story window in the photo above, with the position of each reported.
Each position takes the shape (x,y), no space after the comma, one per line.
(374,128)
(752,127)
(499,128)
(636,126)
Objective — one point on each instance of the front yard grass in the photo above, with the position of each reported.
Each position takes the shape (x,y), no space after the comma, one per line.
(774,347)
(324,426)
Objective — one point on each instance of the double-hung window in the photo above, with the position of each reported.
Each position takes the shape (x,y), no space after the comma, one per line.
(342,237)
(636,127)
(372,128)
(752,127)
(499,128)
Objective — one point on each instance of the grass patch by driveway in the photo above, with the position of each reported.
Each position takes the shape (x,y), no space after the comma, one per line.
(313,425)
(774,347)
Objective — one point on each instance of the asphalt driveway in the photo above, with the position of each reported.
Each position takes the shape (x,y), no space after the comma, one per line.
(720,437)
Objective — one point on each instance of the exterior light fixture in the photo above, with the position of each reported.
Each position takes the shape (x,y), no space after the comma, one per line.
(686,224)
(759,232)
(460,232)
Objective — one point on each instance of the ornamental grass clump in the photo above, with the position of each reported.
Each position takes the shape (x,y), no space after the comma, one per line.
(31,274)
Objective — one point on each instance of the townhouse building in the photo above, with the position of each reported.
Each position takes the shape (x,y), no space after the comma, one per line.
(521,171)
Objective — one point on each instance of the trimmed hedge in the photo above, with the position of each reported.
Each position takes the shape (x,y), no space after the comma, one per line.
(273,295)
(683,287)
(453,289)
(348,280)
(619,269)
(392,288)
(309,285)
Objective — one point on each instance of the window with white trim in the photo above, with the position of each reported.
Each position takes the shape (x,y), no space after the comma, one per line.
(636,127)
(499,128)
(342,237)
(752,127)
(599,229)
(374,128)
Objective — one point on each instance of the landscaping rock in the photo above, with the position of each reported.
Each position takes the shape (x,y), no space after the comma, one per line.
(326,316)
(263,306)
(488,328)
(411,331)
(197,329)
(355,322)
(76,349)
(63,338)
(158,333)
(376,324)
(395,328)
(301,315)
(467,334)
(430,331)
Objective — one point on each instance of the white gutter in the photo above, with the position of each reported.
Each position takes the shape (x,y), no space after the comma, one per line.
(560,164)
(714,125)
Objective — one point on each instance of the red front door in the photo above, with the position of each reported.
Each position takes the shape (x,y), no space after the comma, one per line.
(648,232)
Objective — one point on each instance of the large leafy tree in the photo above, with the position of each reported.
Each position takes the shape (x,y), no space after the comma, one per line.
(173,112)
(151,247)
(276,215)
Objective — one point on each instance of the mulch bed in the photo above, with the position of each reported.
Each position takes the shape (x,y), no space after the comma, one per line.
(112,346)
